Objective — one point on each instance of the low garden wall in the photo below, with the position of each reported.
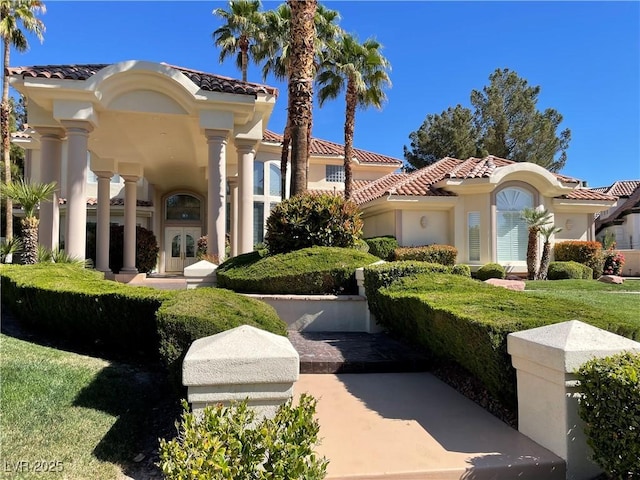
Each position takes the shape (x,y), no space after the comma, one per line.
(631,267)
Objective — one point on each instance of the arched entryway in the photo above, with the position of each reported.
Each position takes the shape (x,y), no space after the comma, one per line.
(183,214)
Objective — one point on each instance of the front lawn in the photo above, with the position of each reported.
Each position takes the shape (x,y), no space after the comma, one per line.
(72,416)
(620,303)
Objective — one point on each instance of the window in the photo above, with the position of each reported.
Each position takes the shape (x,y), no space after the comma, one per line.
(258,222)
(182,207)
(274,180)
(511,230)
(335,173)
(258,178)
(473,226)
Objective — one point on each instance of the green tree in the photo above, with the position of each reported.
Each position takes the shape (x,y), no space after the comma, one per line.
(300,88)
(13,14)
(449,134)
(506,123)
(360,70)
(29,196)
(274,52)
(536,220)
(241,32)
(546,232)
(511,126)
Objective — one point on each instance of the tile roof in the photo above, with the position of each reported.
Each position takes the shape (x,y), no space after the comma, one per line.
(631,204)
(421,182)
(205,81)
(623,188)
(321,147)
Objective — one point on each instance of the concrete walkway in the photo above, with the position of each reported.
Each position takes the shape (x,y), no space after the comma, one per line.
(410,426)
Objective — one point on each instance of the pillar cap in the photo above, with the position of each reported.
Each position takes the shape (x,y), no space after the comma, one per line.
(567,346)
(242,355)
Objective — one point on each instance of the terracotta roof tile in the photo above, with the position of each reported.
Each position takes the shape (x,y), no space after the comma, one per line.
(628,206)
(205,81)
(321,147)
(624,188)
(378,188)
(587,194)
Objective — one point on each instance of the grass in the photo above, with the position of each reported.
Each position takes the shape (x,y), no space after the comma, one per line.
(86,416)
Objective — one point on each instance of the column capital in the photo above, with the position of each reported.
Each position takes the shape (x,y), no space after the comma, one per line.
(216,135)
(129,178)
(103,174)
(246,146)
(56,133)
(77,126)
(233,180)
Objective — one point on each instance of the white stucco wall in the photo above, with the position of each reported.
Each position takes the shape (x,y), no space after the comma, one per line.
(425,228)
(379,225)
(575,226)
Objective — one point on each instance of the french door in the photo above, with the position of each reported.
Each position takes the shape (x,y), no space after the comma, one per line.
(180,245)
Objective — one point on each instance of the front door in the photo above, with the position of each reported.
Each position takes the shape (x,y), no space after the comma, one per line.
(180,247)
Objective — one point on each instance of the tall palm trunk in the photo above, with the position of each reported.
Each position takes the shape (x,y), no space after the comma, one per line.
(244,56)
(284,158)
(301,88)
(349,128)
(532,253)
(544,261)
(6,138)
(30,240)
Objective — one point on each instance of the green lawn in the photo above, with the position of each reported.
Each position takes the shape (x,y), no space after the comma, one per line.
(78,417)
(622,301)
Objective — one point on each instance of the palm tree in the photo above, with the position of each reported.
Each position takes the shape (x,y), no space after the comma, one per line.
(242,30)
(29,196)
(12,14)
(302,45)
(546,232)
(275,48)
(536,220)
(361,71)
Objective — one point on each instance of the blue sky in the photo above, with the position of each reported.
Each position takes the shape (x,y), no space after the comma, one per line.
(585,56)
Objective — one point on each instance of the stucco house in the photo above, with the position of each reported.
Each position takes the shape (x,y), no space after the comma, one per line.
(187,153)
(475,205)
(181,152)
(623,220)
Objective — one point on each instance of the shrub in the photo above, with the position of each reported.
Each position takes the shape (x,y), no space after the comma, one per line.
(382,247)
(442,254)
(316,270)
(229,443)
(613,262)
(610,408)
(569,270)
(308,220)
(361,245)
(490,270)
(146,248)
(587,253)
(188,315)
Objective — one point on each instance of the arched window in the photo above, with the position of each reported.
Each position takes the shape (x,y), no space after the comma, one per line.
(183,207)
(511,230)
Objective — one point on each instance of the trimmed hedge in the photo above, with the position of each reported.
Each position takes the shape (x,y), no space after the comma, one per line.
(568,271)
(140,323)
(442,254)
(382,247)
(610,408)
(315,270)
(466,321)
(586,253)
(192,314)
(490,270)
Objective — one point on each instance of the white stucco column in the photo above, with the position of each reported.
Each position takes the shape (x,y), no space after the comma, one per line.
(233,188)
(104,215)
(76,238)
(130,203)
(216,191)
(246,154)
(51,154)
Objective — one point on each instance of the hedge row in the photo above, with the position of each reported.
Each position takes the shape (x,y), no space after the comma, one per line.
(382,247)
(569,271)
(442,254)
(586,253)
(315,270)
(468,322)
(137,323)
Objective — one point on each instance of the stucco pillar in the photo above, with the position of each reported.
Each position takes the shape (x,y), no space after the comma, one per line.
(51,154)
(216,191)
(76,239)
(233,188)
(130,202)
(104,215)
(246,153)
